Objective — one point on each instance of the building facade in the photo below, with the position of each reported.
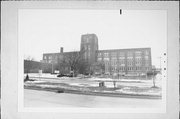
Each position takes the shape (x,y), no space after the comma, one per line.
(133,61)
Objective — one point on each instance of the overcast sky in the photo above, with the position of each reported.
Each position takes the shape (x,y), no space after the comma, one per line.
(46,30)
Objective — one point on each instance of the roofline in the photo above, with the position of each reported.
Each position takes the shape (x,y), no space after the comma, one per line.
(100,50)
(125,49)
(60,53)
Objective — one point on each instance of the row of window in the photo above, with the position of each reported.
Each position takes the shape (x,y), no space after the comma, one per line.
(50,61)
(128,68)
(86,40)
(130,58)
(122,54)
(122,63)
(50,57)
(107,59)
(115,59)
(89,39)
(87,55)
(87,48)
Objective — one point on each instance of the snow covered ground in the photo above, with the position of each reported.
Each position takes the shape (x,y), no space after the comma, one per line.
(128,86)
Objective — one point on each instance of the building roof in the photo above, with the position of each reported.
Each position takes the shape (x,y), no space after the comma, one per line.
(110,50)
(60,53)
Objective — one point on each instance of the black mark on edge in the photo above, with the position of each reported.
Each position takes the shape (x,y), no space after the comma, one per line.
(120,11)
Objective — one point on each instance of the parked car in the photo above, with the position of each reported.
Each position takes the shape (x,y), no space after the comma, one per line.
(65,75)
(60,91)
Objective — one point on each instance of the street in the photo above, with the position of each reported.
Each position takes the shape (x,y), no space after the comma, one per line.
(34,98)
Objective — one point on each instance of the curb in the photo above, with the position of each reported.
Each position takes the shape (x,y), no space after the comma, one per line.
(122,95)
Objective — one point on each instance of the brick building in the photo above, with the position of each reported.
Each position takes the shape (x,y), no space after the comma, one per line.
(133,61)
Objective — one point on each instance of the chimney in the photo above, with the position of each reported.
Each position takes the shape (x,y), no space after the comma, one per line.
(61,50)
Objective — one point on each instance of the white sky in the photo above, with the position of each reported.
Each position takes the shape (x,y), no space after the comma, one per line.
(46,30)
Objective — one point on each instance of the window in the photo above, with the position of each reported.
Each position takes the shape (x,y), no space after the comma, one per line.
(138,53)
(137,63)
(121,57)
(89,54)
(146,57)
(44,57)
(85,55)
(146,52)
(130,57)
(130,62)
(99,54)
(129,54)
(89,48)
(121,54)
(114,58)
(86,40)
(50,57)
(106,63)
(106,54)
(147,63)
(99,59)
(113,54)
(106,59)
(122,65)
(85,48)
(138,58)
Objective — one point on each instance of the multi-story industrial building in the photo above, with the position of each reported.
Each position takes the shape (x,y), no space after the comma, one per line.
(123,61)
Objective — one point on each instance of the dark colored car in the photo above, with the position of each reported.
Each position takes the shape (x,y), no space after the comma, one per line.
(65,75)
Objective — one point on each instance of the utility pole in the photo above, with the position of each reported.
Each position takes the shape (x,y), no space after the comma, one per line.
(159,62)
(52,66)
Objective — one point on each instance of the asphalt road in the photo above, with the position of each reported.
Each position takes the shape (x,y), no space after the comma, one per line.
(34,98)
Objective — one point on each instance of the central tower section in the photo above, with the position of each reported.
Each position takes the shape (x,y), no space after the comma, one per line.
(89,47)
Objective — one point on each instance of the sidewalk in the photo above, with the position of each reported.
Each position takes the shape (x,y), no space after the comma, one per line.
(91,92)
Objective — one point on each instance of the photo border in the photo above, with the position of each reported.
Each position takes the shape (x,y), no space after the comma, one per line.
(10,54)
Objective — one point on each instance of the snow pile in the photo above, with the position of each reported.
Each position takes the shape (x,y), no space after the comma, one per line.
(139,91)
(100,79)
(47,75)
(64,77)
(36,81)
(85,84)
(76,84)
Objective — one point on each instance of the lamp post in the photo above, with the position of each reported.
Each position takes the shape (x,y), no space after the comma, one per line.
(154,78)
(52,66)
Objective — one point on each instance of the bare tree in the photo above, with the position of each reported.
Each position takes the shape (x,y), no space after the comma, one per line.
(83,67)
(75,61)
(99,67)
(61,64)
(28,66)
(153,74)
